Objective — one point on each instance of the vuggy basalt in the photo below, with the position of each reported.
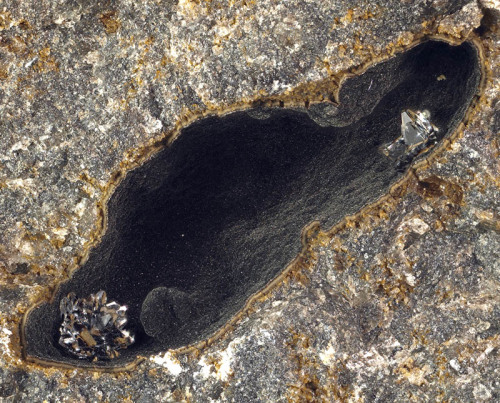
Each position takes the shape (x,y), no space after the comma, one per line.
(209,220)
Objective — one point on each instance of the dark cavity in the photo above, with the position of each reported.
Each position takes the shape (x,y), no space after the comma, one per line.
(210,220)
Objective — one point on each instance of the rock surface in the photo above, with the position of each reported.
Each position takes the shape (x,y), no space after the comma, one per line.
(399,304)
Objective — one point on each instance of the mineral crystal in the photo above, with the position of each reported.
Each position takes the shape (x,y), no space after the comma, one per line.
(92,328)
(416,127)
(417,133)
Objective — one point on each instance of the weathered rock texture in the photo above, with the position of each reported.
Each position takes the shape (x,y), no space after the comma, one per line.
(400,304)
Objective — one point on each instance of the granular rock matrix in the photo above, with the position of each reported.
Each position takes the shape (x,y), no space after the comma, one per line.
(400,303)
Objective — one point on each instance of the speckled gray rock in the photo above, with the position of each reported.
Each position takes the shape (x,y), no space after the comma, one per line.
(402,306)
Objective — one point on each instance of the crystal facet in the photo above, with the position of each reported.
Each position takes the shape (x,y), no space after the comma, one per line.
(416,127)
(93,329)
(417,133)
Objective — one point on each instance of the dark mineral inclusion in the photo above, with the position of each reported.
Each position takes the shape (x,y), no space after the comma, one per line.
(207,222)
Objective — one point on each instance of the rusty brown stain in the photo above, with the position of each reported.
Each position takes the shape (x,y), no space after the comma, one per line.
(110,22)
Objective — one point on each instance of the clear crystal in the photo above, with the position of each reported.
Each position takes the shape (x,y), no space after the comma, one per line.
(416,127)
(93,329)
(417,133)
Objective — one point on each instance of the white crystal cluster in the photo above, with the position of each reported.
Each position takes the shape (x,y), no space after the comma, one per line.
(93,329)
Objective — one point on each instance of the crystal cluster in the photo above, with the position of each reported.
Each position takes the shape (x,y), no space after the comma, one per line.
(92,328)
(417,134)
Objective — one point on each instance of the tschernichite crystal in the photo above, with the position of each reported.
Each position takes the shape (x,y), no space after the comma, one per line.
(417,133)
(416,127)
(92,328)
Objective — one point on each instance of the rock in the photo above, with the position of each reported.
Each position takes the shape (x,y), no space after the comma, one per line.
(90,90)
(218,214)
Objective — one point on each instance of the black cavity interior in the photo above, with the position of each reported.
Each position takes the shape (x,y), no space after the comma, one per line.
(207,222)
